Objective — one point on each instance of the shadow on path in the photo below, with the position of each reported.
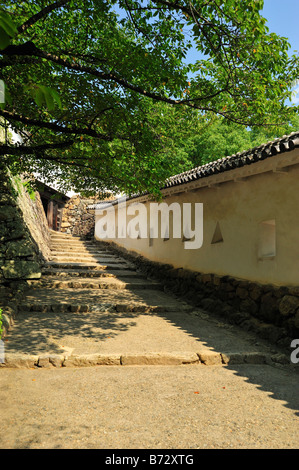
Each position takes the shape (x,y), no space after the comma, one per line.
(123,320)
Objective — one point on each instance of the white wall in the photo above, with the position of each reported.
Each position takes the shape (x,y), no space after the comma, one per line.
(259,224)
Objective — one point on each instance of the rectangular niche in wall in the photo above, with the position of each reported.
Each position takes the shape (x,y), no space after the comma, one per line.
(151,237)
(267,240)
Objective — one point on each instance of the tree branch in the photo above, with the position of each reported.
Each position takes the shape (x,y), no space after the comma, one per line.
(41,14)
(24,149)
(30,49)
(14,60)
(54,127)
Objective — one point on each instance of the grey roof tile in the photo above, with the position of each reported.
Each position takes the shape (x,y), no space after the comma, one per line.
(238,160)
(247,157)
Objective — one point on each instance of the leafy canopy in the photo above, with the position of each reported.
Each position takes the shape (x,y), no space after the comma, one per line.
(219,138)
(103,96)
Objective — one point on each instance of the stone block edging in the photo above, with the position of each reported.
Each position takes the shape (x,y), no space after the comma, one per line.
(201,358)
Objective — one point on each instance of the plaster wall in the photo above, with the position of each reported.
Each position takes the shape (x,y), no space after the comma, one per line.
(259,225)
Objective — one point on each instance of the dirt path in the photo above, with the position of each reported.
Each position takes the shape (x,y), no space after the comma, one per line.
(156,407)
(177,377)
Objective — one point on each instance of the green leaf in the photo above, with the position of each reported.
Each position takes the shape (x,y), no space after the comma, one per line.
(56,98)
(44,95)
(48,98)
(8,25)
(39,97)
(4,38)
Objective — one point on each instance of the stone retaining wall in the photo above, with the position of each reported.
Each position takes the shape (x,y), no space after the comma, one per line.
(24,241)
(272,312)
(77,218)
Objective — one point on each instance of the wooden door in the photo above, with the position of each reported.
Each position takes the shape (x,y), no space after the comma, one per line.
(50,215)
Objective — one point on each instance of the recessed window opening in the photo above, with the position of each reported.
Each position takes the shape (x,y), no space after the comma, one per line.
(151,239)
(267,239)
(217,236)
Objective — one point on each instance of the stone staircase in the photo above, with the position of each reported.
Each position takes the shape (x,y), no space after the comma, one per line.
(85,270)
(82,264)
(92,307)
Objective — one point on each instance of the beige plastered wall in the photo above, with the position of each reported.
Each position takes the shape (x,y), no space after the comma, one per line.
(241,209)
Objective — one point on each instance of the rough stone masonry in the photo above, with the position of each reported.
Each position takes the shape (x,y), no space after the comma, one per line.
(24,240)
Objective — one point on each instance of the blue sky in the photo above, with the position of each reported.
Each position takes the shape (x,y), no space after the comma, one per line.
(282,18)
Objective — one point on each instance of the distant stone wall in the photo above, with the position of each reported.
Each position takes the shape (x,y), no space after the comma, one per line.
(77,218)
(24,239)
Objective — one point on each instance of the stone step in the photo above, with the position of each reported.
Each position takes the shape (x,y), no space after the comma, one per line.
(90,266)
(60,241)
(97,300)
(74,254)
(86,254)
(62,236)
(83,283)
(73,238)
(72,244)
(79,258)
(91,251)
(90,273)
(74,241)
(71,247)
(81,252)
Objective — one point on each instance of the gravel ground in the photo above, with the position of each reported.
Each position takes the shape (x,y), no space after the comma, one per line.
(150,407)
(237,406)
